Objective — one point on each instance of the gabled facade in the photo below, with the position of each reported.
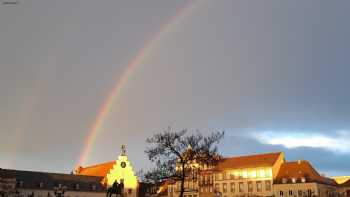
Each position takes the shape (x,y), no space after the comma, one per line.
(300,179)
(118,170)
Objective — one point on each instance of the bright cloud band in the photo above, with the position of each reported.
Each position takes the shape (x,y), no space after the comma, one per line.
(337,142)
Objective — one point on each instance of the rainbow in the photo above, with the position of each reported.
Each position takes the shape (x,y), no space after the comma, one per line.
(130,68)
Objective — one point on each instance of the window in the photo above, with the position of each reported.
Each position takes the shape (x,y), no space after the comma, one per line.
(217,176)
(224,187)
(281,193)
(217,187)
(232,176)
(258,186)
(300,193)
(41,184)
(245,174)
(241,187)
(252,174)
(261,173)
(232,187)
(303,180)
(250,186)
(309,192)
(268,185)
(294,180)
(284,180)
(210,189)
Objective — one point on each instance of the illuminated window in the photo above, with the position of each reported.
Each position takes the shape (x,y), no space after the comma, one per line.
(245,174)
(262,173)
(232,187)
(236,174)
(224,187)
(252,174)
(258,186)
(241,187)
(250,186)
(268,173)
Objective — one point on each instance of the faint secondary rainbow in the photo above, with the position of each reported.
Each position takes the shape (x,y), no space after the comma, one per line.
(120,83)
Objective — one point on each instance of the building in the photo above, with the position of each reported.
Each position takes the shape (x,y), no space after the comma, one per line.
(87,181)
(261,175)
(300,179)
(119,170)
(42,184)
(344,189)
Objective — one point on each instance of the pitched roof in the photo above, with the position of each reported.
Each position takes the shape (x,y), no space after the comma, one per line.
(32,180)
(100,170)
(345,184)
(301,169)
(249,161)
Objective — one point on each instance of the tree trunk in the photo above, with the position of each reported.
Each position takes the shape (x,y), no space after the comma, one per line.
(182,180)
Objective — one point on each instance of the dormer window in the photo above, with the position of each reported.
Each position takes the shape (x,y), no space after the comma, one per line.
(41,184)
(303,180)
(93,187)
(294,180)
(284,180)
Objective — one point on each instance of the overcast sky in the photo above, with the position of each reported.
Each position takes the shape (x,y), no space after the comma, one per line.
(273,74)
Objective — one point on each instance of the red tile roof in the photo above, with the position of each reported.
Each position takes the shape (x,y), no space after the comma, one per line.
(345,184)
(250,161)
(100,170)
(301,169)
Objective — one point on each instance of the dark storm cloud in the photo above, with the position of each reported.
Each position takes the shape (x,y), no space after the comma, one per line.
(240,66)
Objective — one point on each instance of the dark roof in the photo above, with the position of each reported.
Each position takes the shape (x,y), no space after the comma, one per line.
(259,160)
(100,170)
(301,169)
(32,180)
(345,184)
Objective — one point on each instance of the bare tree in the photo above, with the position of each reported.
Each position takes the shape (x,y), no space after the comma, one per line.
(177,153)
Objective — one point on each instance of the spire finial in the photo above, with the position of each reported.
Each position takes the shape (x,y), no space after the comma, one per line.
(123,148)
